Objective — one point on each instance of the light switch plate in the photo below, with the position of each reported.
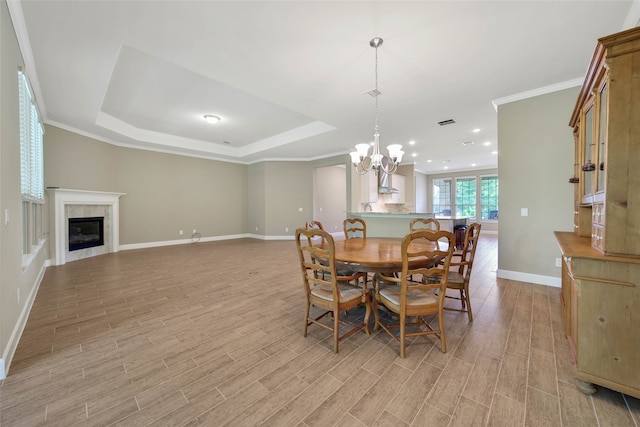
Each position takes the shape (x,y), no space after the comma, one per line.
(524,211)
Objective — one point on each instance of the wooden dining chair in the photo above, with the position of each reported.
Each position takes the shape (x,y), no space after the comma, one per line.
(423,254)
(314,224)
(326,290)
(354,228)
(422,223)
(461,265)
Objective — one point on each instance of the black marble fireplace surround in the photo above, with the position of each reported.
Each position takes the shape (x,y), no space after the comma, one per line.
(86,232)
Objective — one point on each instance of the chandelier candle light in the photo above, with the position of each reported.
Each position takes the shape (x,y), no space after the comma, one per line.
(377,162)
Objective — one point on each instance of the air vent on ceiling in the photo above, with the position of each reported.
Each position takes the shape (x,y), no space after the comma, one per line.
(373,93)
(468,143)
(226,142)
(446,122)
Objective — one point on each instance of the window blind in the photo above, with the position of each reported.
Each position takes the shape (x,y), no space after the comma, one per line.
(31,150)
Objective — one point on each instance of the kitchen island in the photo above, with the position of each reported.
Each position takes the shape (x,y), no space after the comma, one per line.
(397,224)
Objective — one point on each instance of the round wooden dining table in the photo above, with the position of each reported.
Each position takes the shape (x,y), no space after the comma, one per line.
(372,254)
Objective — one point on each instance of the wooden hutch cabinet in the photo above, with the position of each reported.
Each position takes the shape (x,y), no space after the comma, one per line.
(601,268)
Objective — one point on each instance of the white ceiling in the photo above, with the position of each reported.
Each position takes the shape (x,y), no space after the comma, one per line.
(289,79)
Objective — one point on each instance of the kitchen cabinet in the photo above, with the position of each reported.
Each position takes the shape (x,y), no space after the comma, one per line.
(368,188)
(398,183)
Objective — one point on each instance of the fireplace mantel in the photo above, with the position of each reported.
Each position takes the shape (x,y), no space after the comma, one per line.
(59,198)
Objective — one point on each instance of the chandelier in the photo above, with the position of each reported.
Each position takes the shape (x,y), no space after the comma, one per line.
(364,163)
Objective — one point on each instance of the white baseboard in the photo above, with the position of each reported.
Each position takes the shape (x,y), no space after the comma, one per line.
(538,279)
(185,241)
(12,345)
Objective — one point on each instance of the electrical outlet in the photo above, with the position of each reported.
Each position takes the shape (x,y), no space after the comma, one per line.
(181,232)
(194,231)
(256,228)
(558,262)
(300,209)
(18,295)
(6,216)
(286,229)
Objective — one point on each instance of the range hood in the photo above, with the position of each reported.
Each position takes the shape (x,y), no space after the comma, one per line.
(384,184)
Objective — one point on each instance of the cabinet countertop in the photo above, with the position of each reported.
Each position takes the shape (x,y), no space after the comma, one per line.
(572,245)
(391,215)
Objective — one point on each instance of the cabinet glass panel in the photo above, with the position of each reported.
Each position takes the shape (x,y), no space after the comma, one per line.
(602,135)
(588,152)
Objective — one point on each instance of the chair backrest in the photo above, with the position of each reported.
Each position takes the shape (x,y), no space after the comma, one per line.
(314,224)
(427,253)
(316,252)
(424,223)
(469,250)
(354,228)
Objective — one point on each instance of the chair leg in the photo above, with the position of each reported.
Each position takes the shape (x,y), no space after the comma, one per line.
(403,321)
(462,299)
(336,330)
(443,339)
(306,319)
(466,295)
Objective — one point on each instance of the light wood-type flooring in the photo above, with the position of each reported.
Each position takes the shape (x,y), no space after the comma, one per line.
(211,334)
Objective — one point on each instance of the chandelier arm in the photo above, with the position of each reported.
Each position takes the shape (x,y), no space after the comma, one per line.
(391,167)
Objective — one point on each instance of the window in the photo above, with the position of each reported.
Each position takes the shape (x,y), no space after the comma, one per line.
(489,197)
(31,166)
(466,197)
(442,197)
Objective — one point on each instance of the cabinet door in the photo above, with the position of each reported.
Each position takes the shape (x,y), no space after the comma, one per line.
(602,138)
(587,167)
(398,182)
(368,188)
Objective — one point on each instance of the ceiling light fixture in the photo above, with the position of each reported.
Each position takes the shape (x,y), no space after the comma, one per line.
(364,163)
(212,120)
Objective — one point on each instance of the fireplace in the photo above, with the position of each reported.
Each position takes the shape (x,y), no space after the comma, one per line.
(86,232)
(65,204)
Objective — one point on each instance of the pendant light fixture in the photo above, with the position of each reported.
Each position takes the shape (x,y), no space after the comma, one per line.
(362,161)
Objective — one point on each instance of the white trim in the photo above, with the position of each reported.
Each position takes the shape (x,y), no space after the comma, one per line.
(538,279)
(188,153)
(537,92)
(131,246)
(12,345)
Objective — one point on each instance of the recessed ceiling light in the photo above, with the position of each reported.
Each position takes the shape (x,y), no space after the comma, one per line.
(429,161)
(414,154)
(211,119)
(446,167)
(494,152)
(412,142)
(487,143)
(473,164)
(476,130)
